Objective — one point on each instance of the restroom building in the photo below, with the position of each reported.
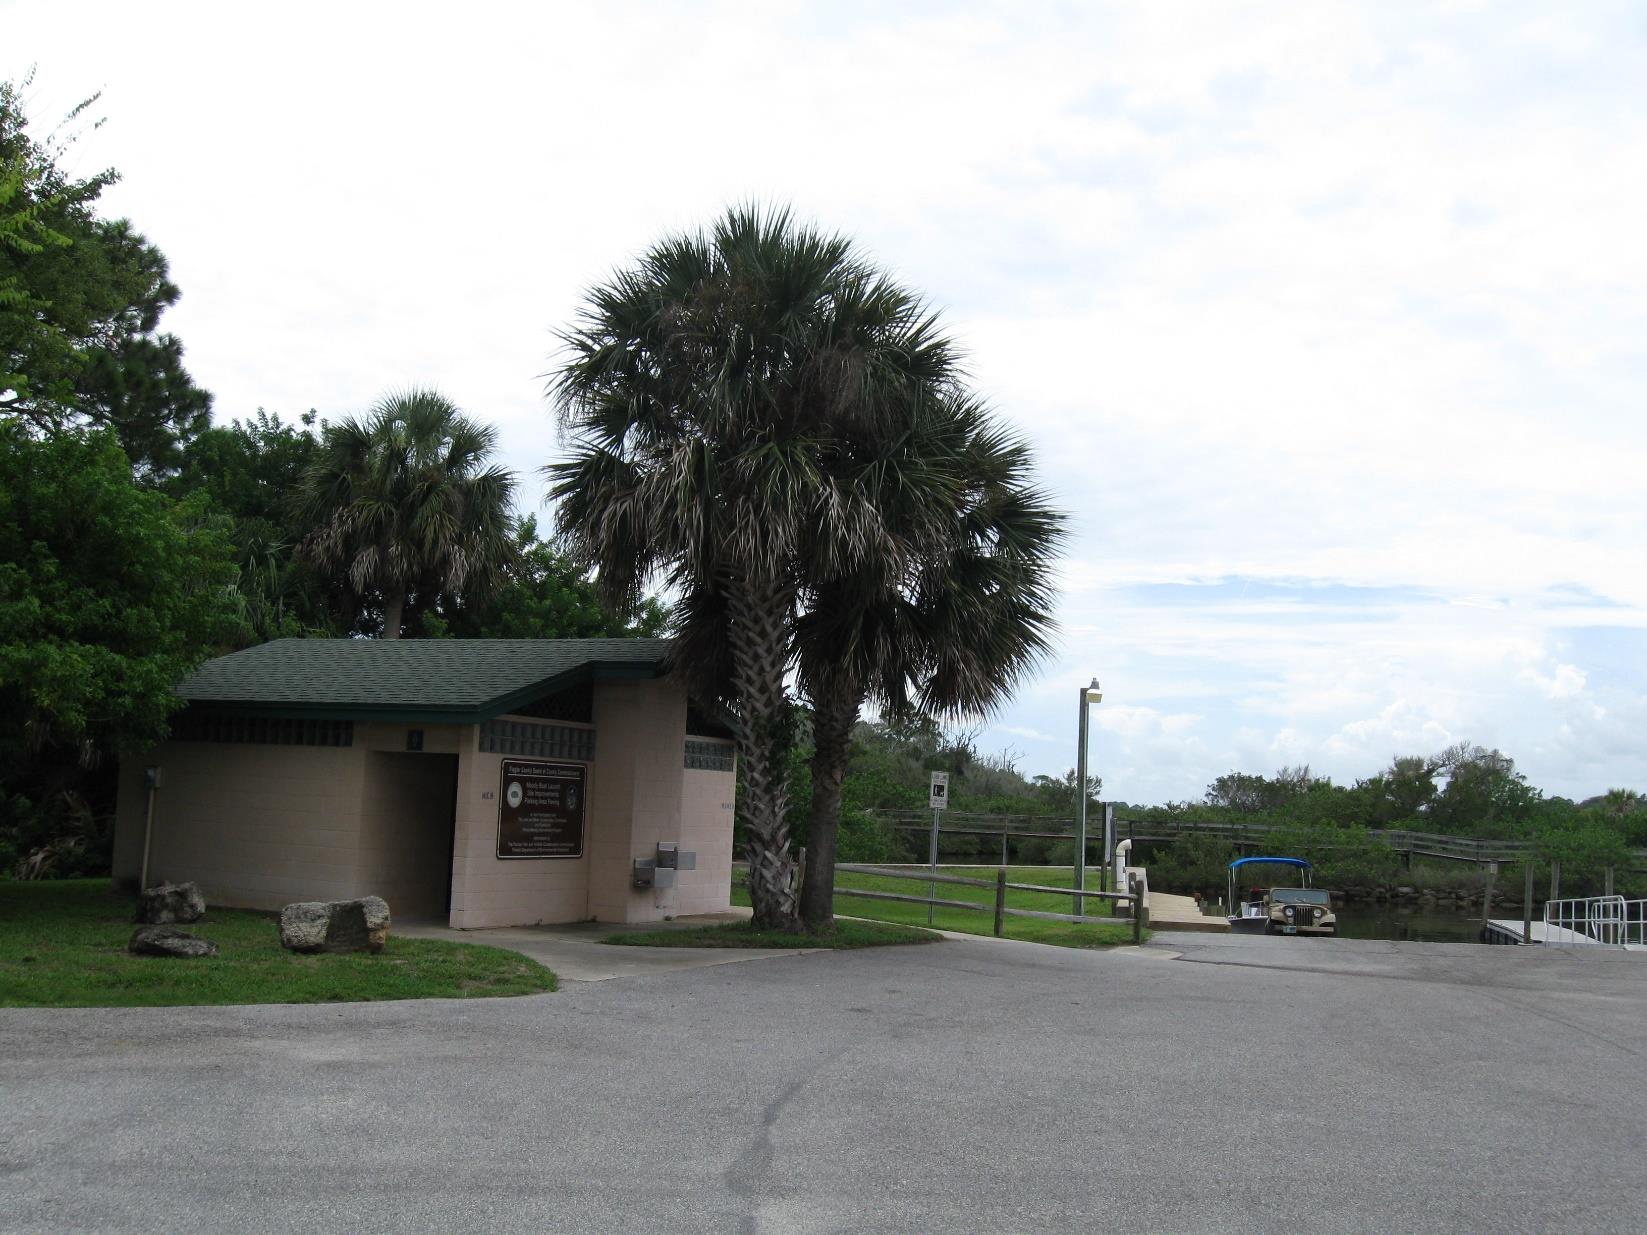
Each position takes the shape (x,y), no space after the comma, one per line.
(480,782)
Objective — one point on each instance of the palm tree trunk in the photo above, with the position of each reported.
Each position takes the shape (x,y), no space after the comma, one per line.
(834,713)
(392,615)
(765,732)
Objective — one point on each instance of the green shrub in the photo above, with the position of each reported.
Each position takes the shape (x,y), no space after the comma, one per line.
(864,838)
(1190,863)
(1340,855)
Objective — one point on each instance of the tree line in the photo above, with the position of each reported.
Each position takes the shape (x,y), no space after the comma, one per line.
(1462,790)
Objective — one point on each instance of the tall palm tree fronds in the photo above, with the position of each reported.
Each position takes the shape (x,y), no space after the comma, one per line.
(952,636)
(727,405)
(404,503)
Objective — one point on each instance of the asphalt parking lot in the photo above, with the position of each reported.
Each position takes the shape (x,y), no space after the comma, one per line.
(1205,1083)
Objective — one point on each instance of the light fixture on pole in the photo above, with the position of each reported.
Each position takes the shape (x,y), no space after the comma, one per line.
(1089,695)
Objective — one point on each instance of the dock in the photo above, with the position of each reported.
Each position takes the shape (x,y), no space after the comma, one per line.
(1168,912)
(1507,930)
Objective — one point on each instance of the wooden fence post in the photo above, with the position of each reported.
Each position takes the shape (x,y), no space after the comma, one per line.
(1555,879)
(1137,917)
(1000,902)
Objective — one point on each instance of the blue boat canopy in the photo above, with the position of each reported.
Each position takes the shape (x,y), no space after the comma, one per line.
(1275,861)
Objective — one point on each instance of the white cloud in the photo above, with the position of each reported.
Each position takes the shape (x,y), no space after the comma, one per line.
(1566,682)
(1019,731)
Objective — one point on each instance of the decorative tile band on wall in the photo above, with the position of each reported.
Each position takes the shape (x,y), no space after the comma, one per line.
(519,737)
(265,730)
(709,756)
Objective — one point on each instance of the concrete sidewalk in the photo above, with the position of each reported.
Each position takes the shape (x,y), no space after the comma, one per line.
(576,954)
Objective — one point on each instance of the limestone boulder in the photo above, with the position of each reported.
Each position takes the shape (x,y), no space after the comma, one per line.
(169,941)
(336,926)
(170,902)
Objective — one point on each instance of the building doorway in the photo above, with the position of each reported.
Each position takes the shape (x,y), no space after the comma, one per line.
(408,825)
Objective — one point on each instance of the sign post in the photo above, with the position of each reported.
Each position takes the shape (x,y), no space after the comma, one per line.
(939,800)
(1089,694)
(1109,837)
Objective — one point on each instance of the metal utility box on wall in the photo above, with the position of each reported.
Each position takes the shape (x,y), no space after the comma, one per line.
(673,857)
(659,872)
(649,874)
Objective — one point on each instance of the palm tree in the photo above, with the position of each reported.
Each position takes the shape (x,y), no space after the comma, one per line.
(405,505)
(728,404)
(953,638)
(1620,803)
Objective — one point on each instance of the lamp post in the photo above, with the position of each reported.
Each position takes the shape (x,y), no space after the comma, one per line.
(1089,695)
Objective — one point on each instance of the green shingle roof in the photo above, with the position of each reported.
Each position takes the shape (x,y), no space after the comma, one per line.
(427,679)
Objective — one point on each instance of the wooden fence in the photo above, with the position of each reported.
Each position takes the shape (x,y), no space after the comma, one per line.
(1136,899)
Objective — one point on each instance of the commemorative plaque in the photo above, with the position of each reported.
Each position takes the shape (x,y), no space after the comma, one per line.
(540,809)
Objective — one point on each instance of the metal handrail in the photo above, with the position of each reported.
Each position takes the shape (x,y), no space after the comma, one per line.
(1635,923)
(1601,920)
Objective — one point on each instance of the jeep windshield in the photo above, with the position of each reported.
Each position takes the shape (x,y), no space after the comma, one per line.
(1300,896)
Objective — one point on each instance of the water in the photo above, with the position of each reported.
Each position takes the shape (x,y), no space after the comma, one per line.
(1387,921)
(1363,921)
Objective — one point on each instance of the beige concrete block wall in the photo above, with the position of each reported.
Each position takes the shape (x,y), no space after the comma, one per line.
(405,841)
(640,742)
(256,826)
(639,794)
(611,807)
(437,739)
(492,891)
(707,801)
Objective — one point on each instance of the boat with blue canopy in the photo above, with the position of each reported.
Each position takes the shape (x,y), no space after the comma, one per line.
(1300,910)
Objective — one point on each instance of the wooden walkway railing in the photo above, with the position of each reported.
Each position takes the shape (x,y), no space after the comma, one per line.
(1024,827)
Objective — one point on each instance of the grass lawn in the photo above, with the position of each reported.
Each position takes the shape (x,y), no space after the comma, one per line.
(981,922)
(63,945)
(847,934)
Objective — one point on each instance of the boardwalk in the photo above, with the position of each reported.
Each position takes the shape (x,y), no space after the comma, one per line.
(1011,829)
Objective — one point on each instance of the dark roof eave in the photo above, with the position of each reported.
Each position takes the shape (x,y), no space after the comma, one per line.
(593,671)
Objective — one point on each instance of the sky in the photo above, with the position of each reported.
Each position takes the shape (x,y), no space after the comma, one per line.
(1328,322)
